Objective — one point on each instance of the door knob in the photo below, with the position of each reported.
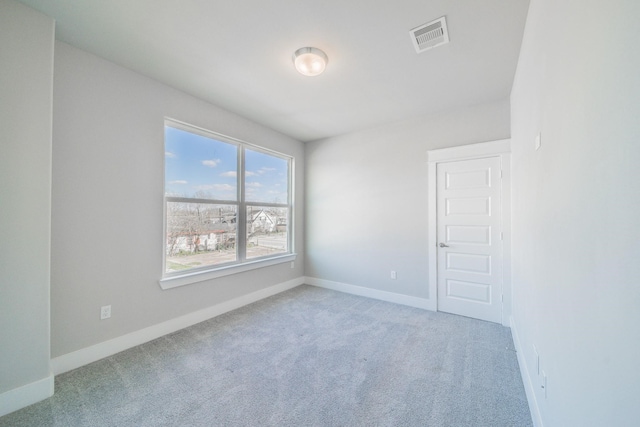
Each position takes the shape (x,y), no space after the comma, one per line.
(442,245)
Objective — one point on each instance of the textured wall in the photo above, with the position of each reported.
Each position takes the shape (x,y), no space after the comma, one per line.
(108,178)
(576,209)
(26,65)
(367,197)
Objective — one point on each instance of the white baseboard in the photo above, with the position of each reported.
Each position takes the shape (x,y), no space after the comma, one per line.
(26,395)
(104,349)
(526,378)
(423,303)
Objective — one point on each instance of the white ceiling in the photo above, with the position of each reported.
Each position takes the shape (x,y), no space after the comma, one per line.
(237,54)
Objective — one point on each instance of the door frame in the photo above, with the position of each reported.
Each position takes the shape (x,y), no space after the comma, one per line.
(502,149)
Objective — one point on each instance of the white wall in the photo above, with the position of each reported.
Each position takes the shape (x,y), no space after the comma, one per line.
(26,65)
(367,198)
(576,209)
(107,235)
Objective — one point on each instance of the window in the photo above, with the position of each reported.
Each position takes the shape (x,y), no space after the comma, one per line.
(227,203)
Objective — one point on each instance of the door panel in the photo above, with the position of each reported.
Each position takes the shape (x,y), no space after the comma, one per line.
(468,224)
(468,179)
(468,263)
(468,206)
(469,234)
(470,291)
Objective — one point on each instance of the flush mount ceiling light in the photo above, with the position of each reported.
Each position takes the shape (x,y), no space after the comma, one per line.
(310,61)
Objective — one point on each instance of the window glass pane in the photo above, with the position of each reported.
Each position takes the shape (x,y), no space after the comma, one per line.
(266,231)
(266,178)
(199,235)
(200,167)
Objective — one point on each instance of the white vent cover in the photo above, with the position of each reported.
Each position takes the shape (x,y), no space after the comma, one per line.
(430,35)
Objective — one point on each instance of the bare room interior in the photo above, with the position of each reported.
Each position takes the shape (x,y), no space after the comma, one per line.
(415,213)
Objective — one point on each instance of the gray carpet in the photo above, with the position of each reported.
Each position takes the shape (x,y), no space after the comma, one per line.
(306,357)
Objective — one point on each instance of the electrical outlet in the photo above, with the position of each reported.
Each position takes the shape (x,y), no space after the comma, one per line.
(105,312)
(538,141)
(394,276)
(293,264)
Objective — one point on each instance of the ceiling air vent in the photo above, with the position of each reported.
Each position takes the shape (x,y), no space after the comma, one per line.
(430,35)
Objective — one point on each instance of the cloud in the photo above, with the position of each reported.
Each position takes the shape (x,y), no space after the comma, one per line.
(179,181)
(216,187)
(169,154)
(211,163)
(229,174)
(253,185)
(249,173)
(265,170)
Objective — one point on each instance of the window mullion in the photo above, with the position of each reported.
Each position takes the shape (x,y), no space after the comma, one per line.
(242,209)
(197,200)
(290,194)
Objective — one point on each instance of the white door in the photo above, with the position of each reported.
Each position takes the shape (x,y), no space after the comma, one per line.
(469,238)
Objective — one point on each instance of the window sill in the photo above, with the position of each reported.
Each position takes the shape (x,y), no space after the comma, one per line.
(201,276)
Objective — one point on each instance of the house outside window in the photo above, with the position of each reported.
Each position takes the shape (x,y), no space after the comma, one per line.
(227,202)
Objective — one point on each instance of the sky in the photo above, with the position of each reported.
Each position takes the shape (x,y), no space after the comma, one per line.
(198,166)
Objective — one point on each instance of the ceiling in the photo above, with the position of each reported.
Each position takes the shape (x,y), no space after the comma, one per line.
(237,54)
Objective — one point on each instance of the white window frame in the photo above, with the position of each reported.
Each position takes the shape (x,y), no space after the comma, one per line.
(241,264)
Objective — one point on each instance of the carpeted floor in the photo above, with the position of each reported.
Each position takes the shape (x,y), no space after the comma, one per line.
(306,357)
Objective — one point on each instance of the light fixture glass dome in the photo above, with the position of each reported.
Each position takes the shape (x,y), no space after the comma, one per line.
(310,61)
